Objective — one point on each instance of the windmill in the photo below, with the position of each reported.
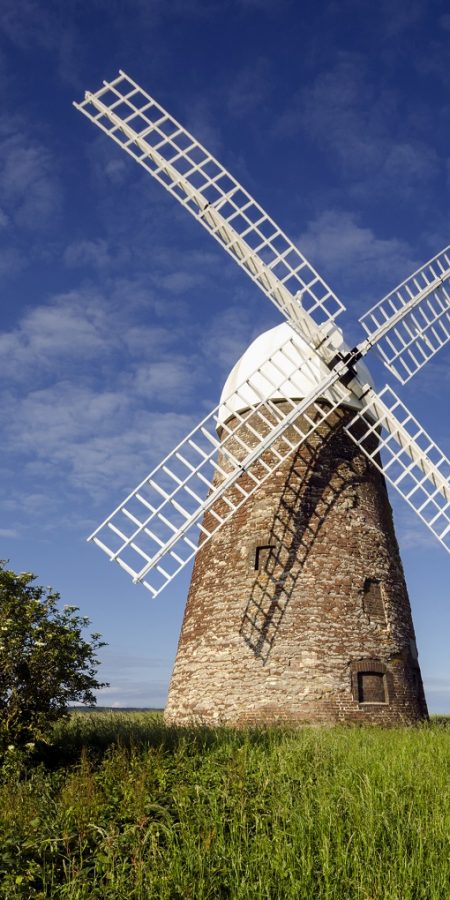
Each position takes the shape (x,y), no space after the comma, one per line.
(298,608)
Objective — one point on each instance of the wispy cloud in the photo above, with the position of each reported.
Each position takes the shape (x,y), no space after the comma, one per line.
(73,326)
(230,331)
(201,122)
(76,438)
(249,88)
(180,282)
(94,397)
(30,191)
(355,122)
(11,260)
(9,533)
(31,194)
(171,382)
(412,533)
(22,22)
(336,241)
(87,253)
(28,25)
(400,17)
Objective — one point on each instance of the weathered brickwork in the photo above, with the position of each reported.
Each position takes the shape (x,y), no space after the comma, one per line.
(298,609)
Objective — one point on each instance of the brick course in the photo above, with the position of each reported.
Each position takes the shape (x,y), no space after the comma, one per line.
(296,596)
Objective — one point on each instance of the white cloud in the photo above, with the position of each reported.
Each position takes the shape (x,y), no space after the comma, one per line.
(417,161)
(412,533)
(94,440)
(29,188)
(116,170)
(87,253)
(358,124)
(335,239)
(83,397)
(28,24)
(73,326)
(249,88)
(87,327)
(101,383)
(200,122)
(180,282)
(9,532)
(230,331)
(145,341)
(11,260)
(22,22)
(414,536)
(170,381)
(29,504)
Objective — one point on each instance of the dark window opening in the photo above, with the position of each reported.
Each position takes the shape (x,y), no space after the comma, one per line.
(373,600)
(262,554)
(371,687)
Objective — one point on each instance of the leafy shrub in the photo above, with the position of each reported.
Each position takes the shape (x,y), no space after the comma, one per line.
(45,662)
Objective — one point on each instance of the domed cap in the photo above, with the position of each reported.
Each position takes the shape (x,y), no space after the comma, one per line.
(302,373)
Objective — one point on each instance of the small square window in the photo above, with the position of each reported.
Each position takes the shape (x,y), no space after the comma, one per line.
(262,554)
(371,687)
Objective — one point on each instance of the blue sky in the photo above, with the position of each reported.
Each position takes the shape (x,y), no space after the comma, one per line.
(335,116)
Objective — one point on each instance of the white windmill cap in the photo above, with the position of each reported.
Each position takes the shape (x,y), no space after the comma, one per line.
(302,373)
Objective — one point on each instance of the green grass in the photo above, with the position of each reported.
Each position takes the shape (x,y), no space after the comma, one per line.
(145,811)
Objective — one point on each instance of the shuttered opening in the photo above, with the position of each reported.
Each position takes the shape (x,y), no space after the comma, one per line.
(371,687)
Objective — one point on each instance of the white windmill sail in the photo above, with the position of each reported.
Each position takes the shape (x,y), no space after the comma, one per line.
(414,318)
(410,461)
(145,130)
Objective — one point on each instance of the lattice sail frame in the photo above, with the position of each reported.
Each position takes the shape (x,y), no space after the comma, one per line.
(145,130)
(408,327)
(412,323)
(155,532)
(410,461)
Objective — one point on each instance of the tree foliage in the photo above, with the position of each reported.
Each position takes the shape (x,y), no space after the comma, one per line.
(45,661)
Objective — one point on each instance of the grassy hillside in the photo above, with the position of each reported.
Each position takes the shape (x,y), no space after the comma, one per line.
(144,811)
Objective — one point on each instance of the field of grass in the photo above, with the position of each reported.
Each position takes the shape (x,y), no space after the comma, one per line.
(123,807)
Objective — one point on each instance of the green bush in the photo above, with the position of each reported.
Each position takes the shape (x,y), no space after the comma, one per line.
(45,662)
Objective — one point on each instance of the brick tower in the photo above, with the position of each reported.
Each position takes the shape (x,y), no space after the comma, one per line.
(298,609)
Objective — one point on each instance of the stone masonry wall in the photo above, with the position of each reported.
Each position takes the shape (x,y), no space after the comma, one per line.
(298,609)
